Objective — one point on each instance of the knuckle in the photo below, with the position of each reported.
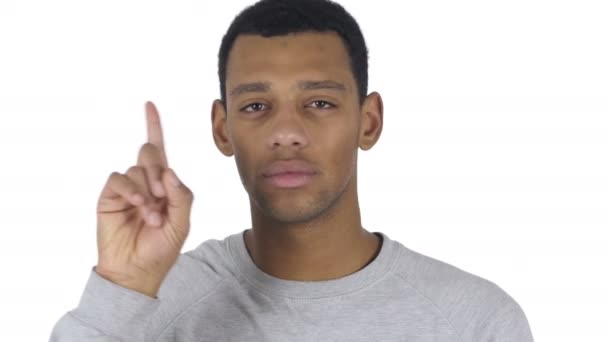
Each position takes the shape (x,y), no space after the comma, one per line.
(188,193)
(115,178)
(149,155)
(114,175)
(135,169)
(147,148)
(155,171)
(144,146)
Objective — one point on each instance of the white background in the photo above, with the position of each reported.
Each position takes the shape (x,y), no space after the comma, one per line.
(494,154)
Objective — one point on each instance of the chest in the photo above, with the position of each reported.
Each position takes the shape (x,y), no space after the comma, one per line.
(256,317)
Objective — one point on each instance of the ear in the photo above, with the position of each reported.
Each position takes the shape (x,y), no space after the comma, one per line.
(219,126)
(371,121)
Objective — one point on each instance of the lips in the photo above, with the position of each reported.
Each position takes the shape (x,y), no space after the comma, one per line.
(289,167)
(290,180)
(289,173)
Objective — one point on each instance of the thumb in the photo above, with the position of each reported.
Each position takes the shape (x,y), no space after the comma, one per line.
(179,198)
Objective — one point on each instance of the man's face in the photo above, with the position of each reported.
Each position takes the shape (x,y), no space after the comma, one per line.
(292,97)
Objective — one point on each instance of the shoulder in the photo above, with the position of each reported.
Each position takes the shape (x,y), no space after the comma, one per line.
(207,266)
(211,258)
(475,307)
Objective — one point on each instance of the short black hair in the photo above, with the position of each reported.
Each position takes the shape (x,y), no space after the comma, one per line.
(270,18)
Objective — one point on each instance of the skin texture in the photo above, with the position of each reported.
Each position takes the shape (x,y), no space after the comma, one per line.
(311,232)
(143,217)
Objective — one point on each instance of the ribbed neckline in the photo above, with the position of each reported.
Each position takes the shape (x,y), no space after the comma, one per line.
(311,289)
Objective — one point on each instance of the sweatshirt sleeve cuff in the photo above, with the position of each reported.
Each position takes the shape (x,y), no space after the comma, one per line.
(113,309)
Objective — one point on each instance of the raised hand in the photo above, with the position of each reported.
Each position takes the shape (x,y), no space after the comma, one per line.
(143,217)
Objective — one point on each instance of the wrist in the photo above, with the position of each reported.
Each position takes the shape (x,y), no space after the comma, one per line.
(142,284)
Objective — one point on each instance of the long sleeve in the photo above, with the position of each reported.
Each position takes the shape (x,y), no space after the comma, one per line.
(106,312)
(509,324)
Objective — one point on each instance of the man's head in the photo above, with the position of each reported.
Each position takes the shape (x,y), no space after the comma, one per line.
(294,89)
(270,18)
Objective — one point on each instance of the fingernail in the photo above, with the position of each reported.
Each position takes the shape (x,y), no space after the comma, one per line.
(158,187)
(154,218)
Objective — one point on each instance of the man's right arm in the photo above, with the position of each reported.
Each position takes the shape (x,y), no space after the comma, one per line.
(143,220)
(107,312)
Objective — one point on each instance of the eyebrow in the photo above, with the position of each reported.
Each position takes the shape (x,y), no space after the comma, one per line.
(253,87)
(261,87)
(307,85)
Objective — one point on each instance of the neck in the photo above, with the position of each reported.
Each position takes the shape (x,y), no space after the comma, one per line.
(330,246)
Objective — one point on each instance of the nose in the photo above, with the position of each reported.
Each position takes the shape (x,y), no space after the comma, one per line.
(287,131)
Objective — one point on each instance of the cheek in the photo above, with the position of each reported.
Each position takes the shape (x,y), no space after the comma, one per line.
(241,167)
(341,151)
(244,155)
(239,139)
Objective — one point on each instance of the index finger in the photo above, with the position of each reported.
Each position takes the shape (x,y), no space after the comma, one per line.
(155,131)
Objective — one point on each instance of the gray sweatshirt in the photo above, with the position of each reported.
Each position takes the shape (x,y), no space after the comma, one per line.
(216,293)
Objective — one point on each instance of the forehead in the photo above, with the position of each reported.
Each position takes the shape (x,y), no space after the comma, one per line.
(312,53)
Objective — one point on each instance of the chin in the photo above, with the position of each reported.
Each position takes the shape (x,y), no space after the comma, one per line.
(294,208)
(293,216)
(289,212)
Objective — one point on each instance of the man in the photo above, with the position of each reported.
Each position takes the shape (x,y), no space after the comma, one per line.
(294,111)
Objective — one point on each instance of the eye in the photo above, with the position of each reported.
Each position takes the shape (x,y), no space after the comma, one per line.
(321,104)
(254,107)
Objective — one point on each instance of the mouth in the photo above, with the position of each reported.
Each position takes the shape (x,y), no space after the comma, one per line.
(291,173)
(290,179)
